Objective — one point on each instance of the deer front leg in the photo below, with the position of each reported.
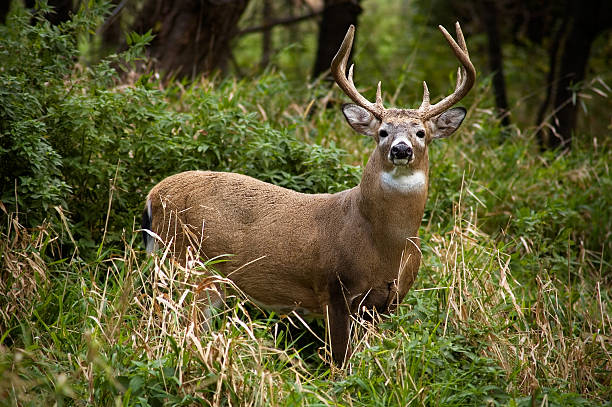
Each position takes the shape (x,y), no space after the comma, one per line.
(338,323)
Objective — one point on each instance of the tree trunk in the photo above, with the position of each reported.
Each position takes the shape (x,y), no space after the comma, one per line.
(266,39)
(489,14)
(585,24)
(191,36)
(338,15)
(4,9)
(111,33)
(553,55)
(62,9)
(572,70)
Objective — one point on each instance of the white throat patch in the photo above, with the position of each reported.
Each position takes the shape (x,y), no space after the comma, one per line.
(403,180)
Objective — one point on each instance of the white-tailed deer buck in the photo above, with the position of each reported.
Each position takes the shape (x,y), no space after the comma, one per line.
(327,255)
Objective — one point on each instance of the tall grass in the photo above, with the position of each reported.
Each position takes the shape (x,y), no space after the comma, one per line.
(511,307)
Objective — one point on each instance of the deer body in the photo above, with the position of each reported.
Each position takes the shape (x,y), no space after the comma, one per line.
(329,255)
(308,241)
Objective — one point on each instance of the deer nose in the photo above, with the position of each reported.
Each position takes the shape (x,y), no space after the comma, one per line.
(401,151)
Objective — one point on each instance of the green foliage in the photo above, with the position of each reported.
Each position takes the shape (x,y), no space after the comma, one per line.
(415,362)
(36,59)
(71,137)
(549,206)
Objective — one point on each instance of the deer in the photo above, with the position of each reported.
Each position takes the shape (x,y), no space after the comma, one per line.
(327,256)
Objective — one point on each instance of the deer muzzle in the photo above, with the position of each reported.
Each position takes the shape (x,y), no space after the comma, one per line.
(401,154)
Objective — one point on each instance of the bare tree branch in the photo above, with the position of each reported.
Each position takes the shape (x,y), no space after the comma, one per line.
(280,21)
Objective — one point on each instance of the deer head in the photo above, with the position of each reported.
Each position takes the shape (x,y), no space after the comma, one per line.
(402,135)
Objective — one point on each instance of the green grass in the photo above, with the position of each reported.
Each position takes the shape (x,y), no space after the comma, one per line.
(511,307)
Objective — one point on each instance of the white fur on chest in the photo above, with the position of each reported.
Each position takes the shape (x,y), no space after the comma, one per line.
(403,181)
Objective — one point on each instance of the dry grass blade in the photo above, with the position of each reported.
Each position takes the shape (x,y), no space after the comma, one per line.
(530,340)
(22,269)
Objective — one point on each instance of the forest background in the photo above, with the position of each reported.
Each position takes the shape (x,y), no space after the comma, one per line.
(101,100)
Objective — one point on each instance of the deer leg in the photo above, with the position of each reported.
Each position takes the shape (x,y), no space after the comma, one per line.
(208,296)
(338,323)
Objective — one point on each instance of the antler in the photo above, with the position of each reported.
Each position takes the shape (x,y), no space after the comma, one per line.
(338,69)
(466,76)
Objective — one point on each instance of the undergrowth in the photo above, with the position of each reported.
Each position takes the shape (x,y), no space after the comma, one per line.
(511,306)
(73,137)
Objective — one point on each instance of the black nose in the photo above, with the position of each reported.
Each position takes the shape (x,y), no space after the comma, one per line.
(401,151)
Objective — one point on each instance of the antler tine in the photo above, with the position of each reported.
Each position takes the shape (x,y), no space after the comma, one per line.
(466,76)
(379,101)
(350,75)
(460,38)
(338,69)
(425,104)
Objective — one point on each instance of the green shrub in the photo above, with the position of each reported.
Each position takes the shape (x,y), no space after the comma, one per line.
(548,204)
(73,137)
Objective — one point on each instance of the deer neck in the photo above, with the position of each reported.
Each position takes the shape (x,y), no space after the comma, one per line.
(392,200)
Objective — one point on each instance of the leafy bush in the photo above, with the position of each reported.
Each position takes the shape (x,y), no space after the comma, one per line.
(544,203)
(72,137)
(36,59)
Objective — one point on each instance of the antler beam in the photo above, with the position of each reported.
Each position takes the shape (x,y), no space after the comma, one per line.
(466,76)
(338,69)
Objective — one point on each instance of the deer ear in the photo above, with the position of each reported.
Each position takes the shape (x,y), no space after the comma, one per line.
(361,120)
(449,121)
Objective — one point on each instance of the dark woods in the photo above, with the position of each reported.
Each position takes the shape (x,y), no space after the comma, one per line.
(195,37)
(565,29)
(100,100)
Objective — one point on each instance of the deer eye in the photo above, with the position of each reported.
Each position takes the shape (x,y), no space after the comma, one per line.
(383,133)
(420,134)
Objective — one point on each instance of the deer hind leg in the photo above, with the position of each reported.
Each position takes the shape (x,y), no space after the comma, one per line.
(208,295)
